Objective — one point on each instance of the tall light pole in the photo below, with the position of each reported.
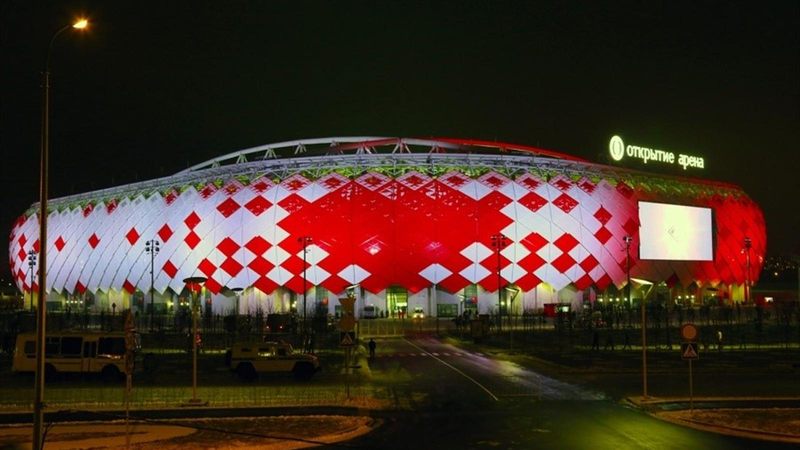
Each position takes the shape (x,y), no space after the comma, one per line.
(31,265)
(628,240)
(194,284)
(38,402)
(305,241)
(499,242)
(152,247)
(238,292)
(748,244)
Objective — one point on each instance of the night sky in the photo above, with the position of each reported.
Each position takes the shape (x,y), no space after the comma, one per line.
(154,87)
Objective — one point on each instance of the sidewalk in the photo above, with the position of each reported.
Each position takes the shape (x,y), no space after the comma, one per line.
(768,419)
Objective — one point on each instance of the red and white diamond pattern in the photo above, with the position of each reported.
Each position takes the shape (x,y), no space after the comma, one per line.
(378,231)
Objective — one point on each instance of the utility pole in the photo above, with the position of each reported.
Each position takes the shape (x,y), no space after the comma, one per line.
(152,247)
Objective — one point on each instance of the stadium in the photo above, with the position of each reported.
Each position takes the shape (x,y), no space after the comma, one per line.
(440,226)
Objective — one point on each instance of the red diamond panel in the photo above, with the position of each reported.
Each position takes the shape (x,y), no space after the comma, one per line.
(208,191)
(265,285)
(530,183)
(565,203)
(528,281)
(165,232)
(566,242)
(170,269)
(170,197)
(260,186)
(293,203)
(602,235)
(132,236)
(80,288)
(257,205)
(587,186)
(583,282)
(562,184)
(111,206)
(624,189)
(534,242)
(602,215)
(260,265)
(258,245)
(589,263)
(213,286)
(456,180)
(21,255)
(228,247)
(532,262)
(231,266)
(22,241)
(563,263)
(207,267)
(533,201)
(603,282)
(631,227)
(192,220)
(93,240)
(60,243)
(88,210)
(228,207)
(129,287)
(192,239)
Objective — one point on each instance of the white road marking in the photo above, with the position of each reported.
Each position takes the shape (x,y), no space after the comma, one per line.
(455,369)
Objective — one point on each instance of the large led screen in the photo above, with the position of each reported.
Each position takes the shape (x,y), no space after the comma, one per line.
(675,232)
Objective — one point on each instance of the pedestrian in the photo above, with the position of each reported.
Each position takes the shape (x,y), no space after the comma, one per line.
(609,340)
(627,344)
(372,346)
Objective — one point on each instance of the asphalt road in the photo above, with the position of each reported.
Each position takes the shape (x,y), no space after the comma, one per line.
(468,400)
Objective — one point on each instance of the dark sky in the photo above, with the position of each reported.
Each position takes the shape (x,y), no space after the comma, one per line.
(154,87)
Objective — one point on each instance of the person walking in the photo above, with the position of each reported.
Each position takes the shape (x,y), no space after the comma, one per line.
(372,346)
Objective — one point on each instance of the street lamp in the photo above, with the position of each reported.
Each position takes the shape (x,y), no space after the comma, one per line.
(238,292)
(38,402)
(152,247)
(31,265)
(499,242)
(305,241)
(194,284)
(628,240)
(748,244)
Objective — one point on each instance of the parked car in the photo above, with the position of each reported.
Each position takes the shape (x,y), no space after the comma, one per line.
(249,359)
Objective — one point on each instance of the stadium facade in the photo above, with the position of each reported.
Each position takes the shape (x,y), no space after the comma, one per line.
(441,225)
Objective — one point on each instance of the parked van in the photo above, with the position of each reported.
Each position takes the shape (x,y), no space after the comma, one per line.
(73,352)
(370,312)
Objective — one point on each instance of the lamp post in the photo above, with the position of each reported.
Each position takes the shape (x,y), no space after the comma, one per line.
(305,241)
(628,241)
(238,292)
(152,247)
(748,244)
(194,284)
(38,403)
(499,242)
(31,265)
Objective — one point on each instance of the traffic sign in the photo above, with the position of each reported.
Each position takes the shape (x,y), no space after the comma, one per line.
(689,332)
(347,303)
(347,323)
(689,351)
(347,338)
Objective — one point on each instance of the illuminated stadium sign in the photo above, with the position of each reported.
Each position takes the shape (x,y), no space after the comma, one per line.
(618,150)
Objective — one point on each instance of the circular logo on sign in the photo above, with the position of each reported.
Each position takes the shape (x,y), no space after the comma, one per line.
(617,148)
